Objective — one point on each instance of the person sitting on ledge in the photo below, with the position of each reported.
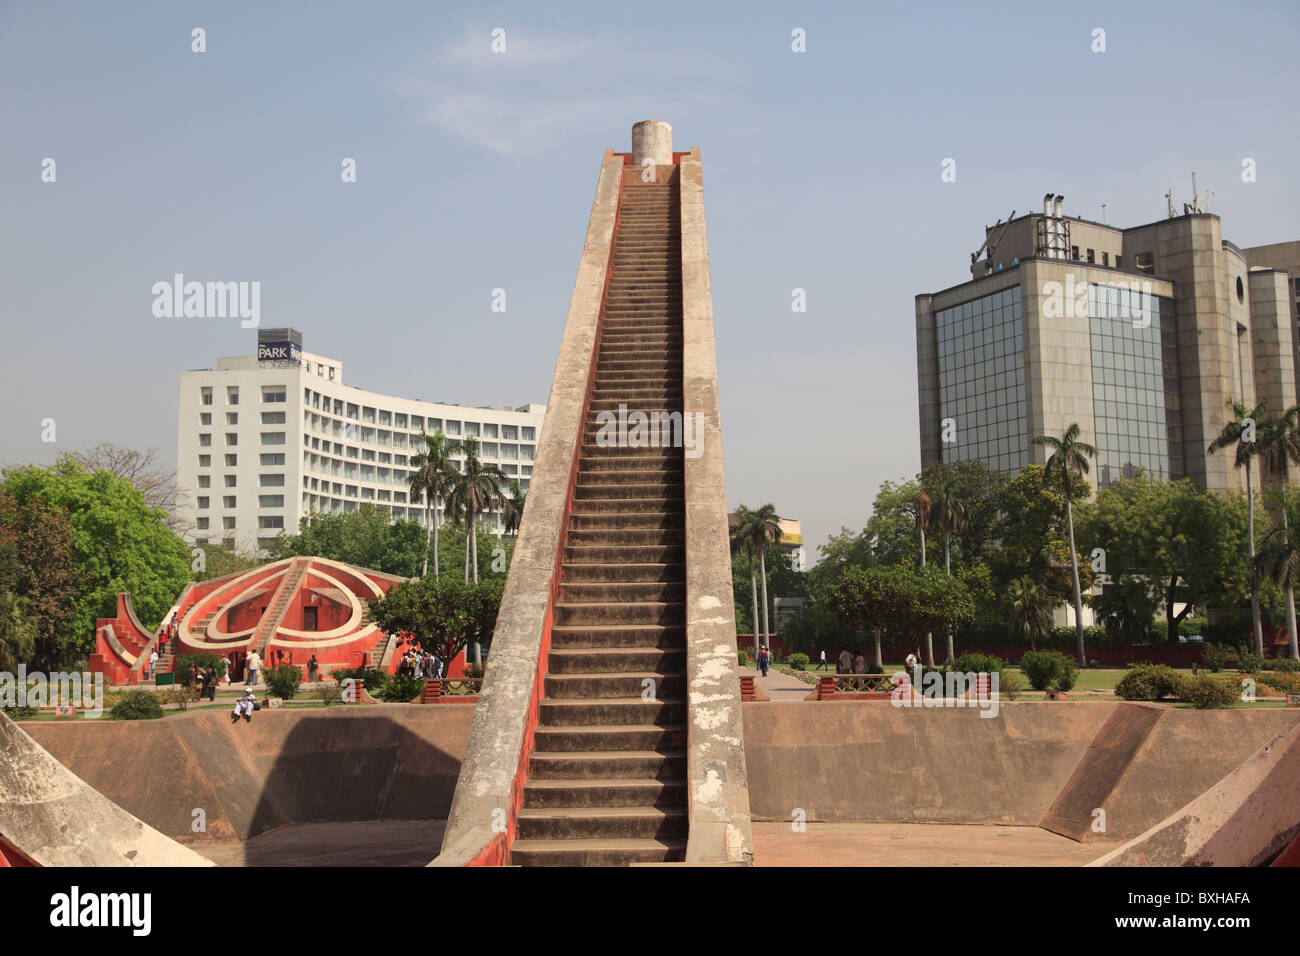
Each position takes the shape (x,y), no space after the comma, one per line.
(244,706)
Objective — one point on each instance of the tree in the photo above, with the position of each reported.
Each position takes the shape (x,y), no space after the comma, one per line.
(782,581)
(432,478)
(1069,457)
(1279,557)
(1031,534)
(921,504)
(17,632)
(476,487)
(951,517)
(1241,434)
(121,543)
(220,561)
(1279,449)
(441,617)
(513,513)
(1029,608)
(757,530)
(149,476)
(1167,537)
(899,601)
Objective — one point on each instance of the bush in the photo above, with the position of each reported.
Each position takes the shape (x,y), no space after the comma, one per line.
(1010,684)
(742,658)
(1044,669)
(1149,682)
(1205,692)
(978,663)
(329,693)
(182,695)
(283,681)
(137,705)
(1284,665)
(798,662)
(402,688)
(1273,684)
(375,678)
(874,668)
(1217,656)
(1192,627)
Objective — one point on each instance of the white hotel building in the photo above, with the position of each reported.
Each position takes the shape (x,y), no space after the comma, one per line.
(266,440)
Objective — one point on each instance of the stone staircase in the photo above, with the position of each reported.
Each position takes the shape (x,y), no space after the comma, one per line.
(280,603)
(606,781)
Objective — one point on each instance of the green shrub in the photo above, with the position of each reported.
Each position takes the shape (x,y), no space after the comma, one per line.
(1250,661)
(1204,691)
(329,693)
(283,681)
(1218,656)
(1284,665)
(1044,669)
(798,662)
(1276,681)
(402,688)
(874,668)
(375,678)
(137,705)
(742,658)
(1149,682)
(975,662)
(1192,627)
(1010,684)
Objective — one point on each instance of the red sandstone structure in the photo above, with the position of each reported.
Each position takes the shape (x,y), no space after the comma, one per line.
(288,610)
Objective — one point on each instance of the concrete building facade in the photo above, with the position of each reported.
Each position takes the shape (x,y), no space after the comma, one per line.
(268,439)
(1140,335)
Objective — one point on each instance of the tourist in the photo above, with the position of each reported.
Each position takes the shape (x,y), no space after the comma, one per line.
(244,706)
(210,684)
(859,663)
(153,662)
(312,668)
(225,670)
(763,660)
(911,662)
(845,663)
(822,665)
(254,665)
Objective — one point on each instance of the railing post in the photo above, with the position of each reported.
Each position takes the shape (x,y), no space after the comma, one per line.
(825,688)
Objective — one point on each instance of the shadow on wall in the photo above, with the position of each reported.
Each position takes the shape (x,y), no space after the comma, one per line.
(392,762)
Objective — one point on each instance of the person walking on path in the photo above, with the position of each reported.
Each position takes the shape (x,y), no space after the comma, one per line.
(225,670)
(153,662)
(312,668)
(822,665)
(859,663)
(763,660)
(254,665)
(845,663)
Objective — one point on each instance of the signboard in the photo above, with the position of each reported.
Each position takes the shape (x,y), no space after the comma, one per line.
(279,352)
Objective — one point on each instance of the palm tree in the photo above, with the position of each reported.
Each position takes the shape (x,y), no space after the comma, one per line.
(1279,448)
(757,531)
(1070,458)
(432,478)
(922,505)
(1279,557)
(513,510)
(476,487)
(951,520)
(1242,434)
(1030,609)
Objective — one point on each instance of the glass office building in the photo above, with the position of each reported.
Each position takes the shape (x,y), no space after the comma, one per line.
(982,380)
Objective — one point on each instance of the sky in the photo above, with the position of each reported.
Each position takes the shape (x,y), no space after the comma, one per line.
(475,171)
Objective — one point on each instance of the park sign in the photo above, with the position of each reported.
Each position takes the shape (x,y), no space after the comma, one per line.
(279,352)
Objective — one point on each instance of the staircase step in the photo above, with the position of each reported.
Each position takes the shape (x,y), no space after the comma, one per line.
(638,737)
(543,794)
(607,711)
(596,852)
(608,764)
(609,823)
(644,685)
(605,636)
(648,572)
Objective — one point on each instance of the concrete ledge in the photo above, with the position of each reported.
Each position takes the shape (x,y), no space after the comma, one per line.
(717,785)
(500,738)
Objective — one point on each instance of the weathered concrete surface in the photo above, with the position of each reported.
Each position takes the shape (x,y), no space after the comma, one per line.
(652,140)
(872,762)
(58,820)
(404,843)
(1108,757)
(717,786)
(916,844)
(1245,819)
(395,762)
(499,733)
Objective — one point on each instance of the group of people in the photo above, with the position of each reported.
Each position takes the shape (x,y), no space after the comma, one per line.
(418,663)
(855,662)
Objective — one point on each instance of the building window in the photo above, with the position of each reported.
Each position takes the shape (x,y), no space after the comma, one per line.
(270,521)
(1092,256)
(232,461)
(232,395)
(1074,252)
(228,523)
(270,501)
(205,481)
(1145,263)
(510,432)
(273,459)
(272,418)
(528,433)
(201,524)
(232,418)
(271,481)
(272,438)
(205,396)
(205,440)
(230,481)
(275,393)
(228,501)
(1105,258)
(232,438)
(205,419)
(203,503)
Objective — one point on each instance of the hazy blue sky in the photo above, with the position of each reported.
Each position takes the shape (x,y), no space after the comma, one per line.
(476,171)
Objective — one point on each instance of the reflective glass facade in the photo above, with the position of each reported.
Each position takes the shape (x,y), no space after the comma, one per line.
(982,380)
(1134,388)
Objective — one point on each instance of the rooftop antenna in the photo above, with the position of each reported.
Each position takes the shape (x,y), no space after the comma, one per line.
(1103,214)
(1169,201)
(991,240)
(1200,201)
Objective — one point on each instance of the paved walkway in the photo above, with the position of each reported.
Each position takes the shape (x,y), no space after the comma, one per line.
(782,688)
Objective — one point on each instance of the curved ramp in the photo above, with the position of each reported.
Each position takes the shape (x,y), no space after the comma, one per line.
(53,817)
(1246,819)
